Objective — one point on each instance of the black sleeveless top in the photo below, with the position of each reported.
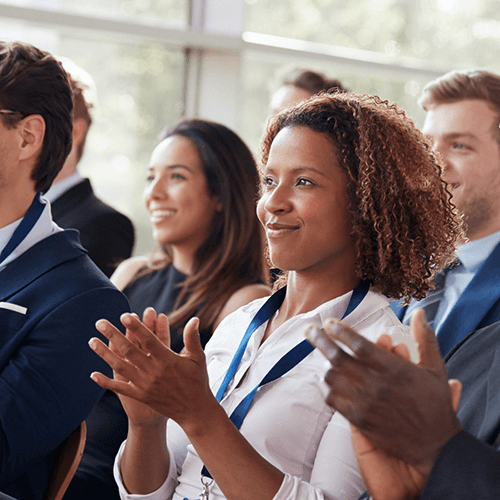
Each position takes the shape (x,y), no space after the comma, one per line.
(159,289)
(107,423)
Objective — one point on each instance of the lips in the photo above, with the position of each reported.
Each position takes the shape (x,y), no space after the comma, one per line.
(158,215)
(275,230)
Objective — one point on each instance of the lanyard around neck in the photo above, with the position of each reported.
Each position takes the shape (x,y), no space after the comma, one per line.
(286,363)
(27,224)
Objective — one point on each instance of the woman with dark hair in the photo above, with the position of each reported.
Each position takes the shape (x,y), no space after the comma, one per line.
(202,187)
(201,192)
(355,210)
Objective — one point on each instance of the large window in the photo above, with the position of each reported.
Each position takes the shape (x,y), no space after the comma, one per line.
(155,61)
(448,32)
(431,36)
(139,92)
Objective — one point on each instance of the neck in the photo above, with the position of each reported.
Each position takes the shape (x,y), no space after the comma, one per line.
(14,207)
(305,293)
(183,259)
(69,167)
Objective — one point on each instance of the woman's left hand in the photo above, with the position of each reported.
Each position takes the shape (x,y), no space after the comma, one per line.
(174,385)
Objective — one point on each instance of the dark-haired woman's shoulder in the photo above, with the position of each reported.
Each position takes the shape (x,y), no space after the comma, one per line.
(126,271)
(242,297)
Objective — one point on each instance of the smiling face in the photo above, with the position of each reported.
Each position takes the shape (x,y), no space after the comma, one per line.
(466,133)
(304,206)
(177,197)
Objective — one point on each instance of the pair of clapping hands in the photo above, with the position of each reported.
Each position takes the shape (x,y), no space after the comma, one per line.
(401,413)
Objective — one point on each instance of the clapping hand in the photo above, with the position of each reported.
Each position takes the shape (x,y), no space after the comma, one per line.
(147,371)
(401,413)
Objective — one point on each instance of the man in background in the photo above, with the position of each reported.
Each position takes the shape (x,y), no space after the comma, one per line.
(51,293)
(107,234)
(462,121)
(299,84)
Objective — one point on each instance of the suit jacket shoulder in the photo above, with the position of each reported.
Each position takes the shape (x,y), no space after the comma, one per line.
(468,465)
(107,234)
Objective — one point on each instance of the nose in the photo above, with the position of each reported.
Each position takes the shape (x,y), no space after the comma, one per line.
(442,152)
(278,199)
(154,190)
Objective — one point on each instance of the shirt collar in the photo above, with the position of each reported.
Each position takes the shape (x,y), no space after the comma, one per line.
(473,254)
(7,232)
(59,188)
(43,228)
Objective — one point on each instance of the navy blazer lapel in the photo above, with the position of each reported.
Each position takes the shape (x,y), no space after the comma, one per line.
(45,255)
(474,303)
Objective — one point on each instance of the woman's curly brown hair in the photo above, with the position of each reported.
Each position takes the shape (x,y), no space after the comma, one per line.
(404,223)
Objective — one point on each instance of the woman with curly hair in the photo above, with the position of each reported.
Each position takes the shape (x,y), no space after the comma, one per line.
(354,210)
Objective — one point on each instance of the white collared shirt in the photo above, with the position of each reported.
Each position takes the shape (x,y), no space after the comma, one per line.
(289,422)
(44,227)
(472,255)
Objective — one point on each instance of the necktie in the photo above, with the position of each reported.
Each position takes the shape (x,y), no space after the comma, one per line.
(430,304)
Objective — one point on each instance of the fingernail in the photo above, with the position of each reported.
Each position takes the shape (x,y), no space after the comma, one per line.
(93,343)
(125,319)
(101,325)
(332,327)
(312,332)
(317,337)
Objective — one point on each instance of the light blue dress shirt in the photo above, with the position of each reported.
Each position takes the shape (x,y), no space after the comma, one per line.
(472,256)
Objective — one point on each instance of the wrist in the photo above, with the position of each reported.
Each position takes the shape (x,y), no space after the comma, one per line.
(427,464)
(204,422)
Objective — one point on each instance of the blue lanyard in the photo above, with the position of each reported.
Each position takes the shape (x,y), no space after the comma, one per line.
(286,363)
(27,224)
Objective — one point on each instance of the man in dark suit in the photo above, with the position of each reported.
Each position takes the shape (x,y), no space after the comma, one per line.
(462,121)
(51,293)
(107,234)
(409,440)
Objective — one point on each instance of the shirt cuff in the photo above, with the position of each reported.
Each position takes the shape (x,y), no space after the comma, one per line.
(293,488)
(164,491)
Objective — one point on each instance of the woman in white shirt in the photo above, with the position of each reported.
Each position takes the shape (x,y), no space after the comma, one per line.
(354,208)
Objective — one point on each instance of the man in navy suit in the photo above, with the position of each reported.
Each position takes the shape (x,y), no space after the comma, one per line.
(105,233)
(51,293)
(462,121)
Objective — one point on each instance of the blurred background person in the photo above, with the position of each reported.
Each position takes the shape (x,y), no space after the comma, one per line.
(202,186)
(106,234)
(298,84)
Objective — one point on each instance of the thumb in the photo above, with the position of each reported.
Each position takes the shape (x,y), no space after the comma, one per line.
(428,348)
(192,344)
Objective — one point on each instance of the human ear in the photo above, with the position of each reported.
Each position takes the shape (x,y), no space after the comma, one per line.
(80,128)
(32,132)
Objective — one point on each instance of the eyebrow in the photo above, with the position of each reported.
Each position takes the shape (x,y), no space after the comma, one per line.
(301,169)
(457,135)
(171,167)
